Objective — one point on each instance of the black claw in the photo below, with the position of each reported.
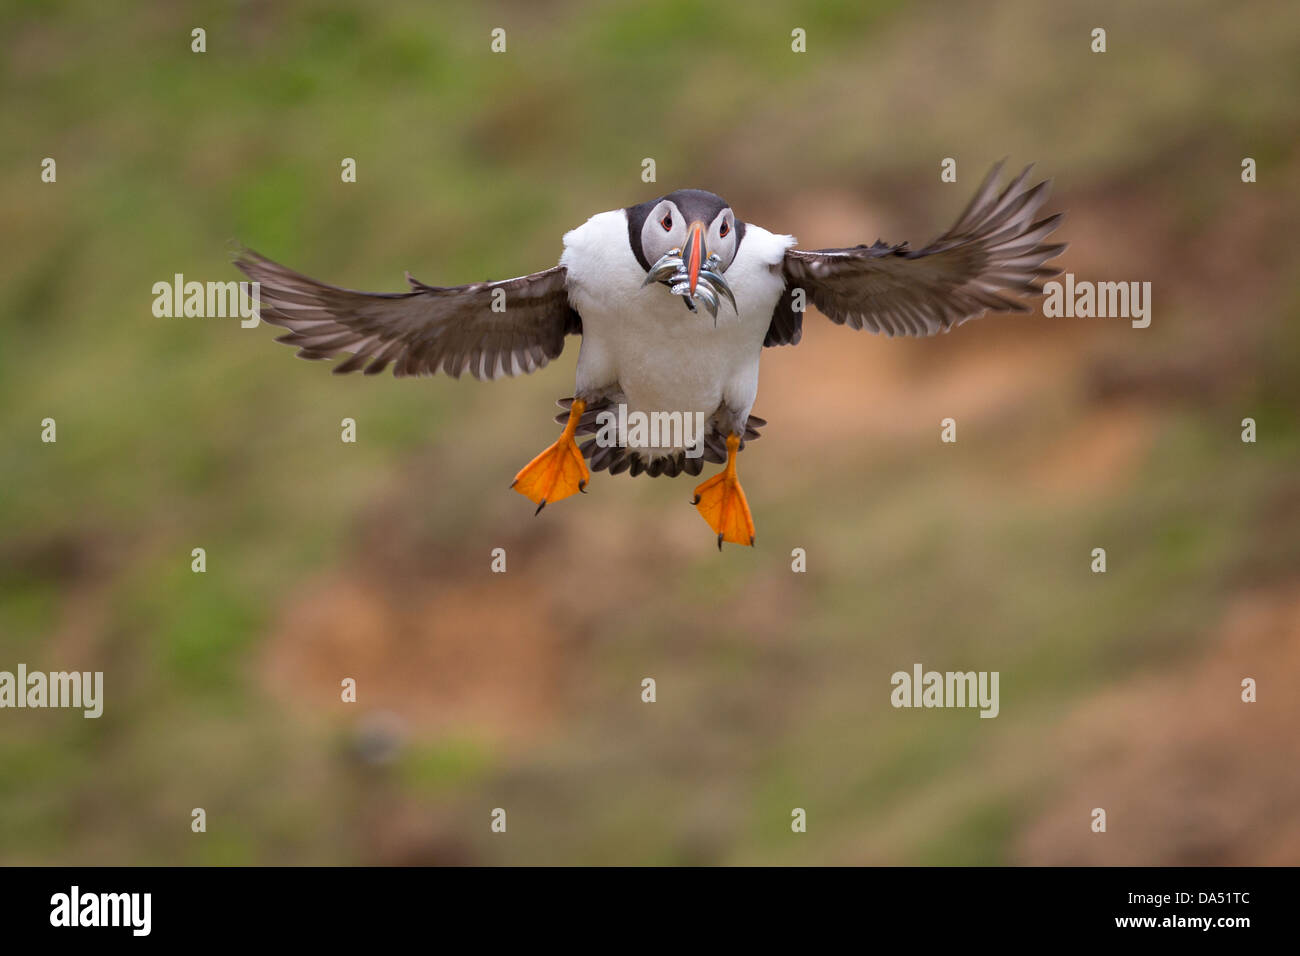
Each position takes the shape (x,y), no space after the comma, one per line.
(582,486)
(539,508)
(751,540)
(719,540)
(695,500)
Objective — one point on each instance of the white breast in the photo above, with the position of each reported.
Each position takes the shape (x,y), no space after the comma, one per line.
(664,357)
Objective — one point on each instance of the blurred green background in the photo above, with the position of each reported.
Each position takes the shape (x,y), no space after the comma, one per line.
(479,690)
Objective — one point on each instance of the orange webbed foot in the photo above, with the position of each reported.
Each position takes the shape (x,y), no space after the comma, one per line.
(559,471)
(721,502)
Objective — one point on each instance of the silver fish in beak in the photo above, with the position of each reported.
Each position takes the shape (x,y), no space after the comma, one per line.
(688,272)
(663,270)
(712,276)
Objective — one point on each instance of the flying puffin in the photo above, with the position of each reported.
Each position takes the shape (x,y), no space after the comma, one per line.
(621,284)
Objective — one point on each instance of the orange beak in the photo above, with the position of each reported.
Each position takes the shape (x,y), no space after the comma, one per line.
(693,253)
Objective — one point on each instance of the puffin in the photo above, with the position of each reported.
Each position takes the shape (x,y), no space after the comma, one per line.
(674,300)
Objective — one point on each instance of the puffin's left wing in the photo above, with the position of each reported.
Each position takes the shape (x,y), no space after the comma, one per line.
(994,247)
(450,329)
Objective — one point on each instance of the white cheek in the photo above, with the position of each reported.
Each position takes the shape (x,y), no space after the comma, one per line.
(667,241)
(654,242)
(728,251)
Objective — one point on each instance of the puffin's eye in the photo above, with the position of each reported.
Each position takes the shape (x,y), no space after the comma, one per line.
(724,230)
(667,222)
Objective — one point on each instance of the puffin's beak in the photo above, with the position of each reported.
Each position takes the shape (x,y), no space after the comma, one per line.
(693,273)
(693,253)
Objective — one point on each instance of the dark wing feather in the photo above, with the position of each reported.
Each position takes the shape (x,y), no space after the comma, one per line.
(786,327)
(995,247)
(427,330)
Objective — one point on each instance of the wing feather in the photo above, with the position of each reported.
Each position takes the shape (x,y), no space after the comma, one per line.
(995,247)
(450,329)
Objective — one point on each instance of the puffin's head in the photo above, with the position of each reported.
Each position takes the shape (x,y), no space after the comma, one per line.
(686,241)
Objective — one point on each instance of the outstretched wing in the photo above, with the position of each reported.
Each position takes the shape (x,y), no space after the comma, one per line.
(452,329)
(995,247)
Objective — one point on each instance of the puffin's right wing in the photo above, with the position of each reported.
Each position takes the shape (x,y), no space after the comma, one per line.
(451,329)
(994,247)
